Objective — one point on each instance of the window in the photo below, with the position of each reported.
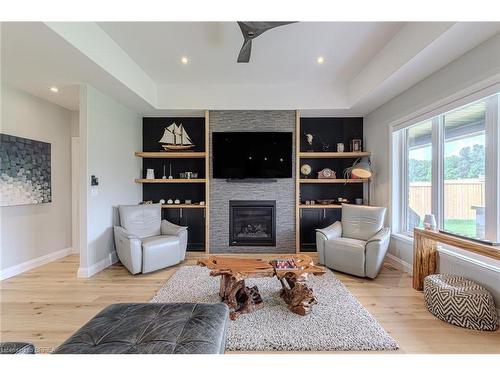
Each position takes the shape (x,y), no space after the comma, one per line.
(449,167)
(464,171)
(419,174)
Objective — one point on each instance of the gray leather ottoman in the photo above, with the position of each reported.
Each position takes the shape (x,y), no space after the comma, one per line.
(152,328)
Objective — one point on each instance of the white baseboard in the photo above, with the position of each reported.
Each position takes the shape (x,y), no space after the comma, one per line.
(405,266)
(33,263)
(86,272)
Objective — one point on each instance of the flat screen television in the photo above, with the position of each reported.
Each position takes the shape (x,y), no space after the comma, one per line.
(240,155)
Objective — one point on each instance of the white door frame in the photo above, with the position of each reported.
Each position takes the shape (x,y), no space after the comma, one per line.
(75,194)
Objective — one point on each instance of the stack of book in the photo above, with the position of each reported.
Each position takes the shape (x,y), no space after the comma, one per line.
(284,264)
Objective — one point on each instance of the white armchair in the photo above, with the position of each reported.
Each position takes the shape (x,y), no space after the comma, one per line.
(357,245)
(145,243)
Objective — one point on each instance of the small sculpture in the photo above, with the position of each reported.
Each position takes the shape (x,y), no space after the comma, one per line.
(309,138)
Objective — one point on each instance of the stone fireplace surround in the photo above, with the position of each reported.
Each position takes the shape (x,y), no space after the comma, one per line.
(282,191)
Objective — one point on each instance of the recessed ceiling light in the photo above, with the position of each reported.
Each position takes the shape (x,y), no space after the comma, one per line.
(184,60)
(320,60)
(54,89)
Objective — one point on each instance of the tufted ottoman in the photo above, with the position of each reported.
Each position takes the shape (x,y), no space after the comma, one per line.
(460,301)
(152,328)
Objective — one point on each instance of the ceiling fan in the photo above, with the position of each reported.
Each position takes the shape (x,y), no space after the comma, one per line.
(252,30)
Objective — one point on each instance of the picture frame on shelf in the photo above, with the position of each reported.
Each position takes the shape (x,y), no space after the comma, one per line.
(356,145)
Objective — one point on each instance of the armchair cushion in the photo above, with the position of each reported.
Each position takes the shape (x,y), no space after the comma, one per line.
(361,222)
(141,220)
(346,255)
(160,252)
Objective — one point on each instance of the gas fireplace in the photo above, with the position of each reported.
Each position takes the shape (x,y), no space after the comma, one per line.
(252,223)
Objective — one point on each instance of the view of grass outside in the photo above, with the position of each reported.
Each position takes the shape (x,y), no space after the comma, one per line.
(463,227)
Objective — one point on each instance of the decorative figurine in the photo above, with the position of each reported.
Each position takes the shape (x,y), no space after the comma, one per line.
(175,138)
(309,141)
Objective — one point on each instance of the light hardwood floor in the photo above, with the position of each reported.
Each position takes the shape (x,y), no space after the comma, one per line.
(46,305)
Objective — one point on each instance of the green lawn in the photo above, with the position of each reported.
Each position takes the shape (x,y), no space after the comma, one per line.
(463,227)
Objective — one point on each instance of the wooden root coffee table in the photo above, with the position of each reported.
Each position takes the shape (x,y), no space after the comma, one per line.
(242,299)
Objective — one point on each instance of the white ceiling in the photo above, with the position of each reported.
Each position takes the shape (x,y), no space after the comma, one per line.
(281,55)
(138,63)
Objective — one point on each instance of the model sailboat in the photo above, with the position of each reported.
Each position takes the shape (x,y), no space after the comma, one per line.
(176,138)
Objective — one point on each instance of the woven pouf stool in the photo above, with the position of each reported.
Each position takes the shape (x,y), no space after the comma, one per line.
(459,301)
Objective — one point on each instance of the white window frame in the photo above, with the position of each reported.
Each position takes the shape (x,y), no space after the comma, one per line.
(398,133)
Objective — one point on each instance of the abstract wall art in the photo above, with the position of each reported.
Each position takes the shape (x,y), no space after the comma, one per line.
(25,173)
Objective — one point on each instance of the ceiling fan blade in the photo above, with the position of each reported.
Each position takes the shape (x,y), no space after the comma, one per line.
(245,51)
(264,26)
(252,30)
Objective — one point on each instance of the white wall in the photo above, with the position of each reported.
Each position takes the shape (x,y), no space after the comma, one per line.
(470,71)
(30,232)
(109,135)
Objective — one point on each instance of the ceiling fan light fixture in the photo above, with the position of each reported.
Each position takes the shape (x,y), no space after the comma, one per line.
(320,60)
(184,60)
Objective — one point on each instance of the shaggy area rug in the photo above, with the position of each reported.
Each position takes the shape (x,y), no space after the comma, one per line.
(337,322)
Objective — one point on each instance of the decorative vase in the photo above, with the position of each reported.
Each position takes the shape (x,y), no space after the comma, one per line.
(430,222)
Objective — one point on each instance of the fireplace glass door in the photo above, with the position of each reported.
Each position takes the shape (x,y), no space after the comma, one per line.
(252,223)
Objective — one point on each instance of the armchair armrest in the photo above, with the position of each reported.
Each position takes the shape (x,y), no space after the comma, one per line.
(332,231)
(122,232)
(381,235)
(375,250)
(129,249)
(325,234)
(168,228)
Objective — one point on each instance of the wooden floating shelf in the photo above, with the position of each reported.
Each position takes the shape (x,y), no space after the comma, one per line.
(331,155)
(320,206)
(173,205)
(332,181)
(171,181)
(171,155)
